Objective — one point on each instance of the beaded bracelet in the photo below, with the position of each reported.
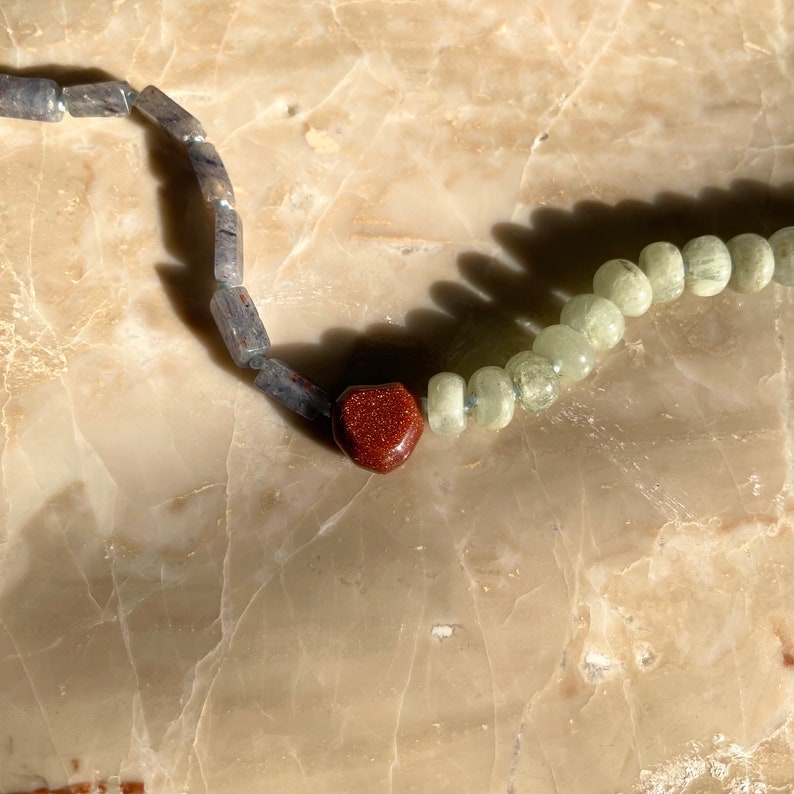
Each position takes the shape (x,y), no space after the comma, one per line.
(379,426)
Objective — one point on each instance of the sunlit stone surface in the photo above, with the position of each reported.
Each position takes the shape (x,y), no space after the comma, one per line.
(200,593)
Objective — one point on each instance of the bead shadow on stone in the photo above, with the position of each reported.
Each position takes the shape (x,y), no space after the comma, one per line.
(498,303)
(483,317)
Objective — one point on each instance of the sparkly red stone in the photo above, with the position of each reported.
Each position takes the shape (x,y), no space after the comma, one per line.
(377,426)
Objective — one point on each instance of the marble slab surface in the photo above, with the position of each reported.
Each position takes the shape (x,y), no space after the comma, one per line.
(199,594)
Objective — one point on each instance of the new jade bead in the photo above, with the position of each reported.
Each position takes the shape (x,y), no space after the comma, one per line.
(536,382)
(173,118)
(752,263)
(663,264)
(782,243)
(495,397)
(292,389)
(240,325)
(31,98)
(708,265)
(571,355)
(228,247)
(98,99)
(214,182)
(598,319)
(625,285)
(446,409)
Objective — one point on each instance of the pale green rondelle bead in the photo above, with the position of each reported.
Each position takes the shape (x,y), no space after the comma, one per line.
(708,265)
(537,383)
(782,242)
(446,404)
(625,285)
(571,355)
(598,319)
(663,264)
(753,263)
(495,397)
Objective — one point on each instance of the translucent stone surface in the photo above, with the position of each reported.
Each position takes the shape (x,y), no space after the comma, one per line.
(571,355)
(228,247)
(625,285)
(214,182)
(292,389)
(31,98)
(173,118)
(98,99)
(782,243)
(446,394)
(663,264)
(752,263)
(708,265)
(495,395)
(239,323)
(198,592)
(537,383)
(598,319)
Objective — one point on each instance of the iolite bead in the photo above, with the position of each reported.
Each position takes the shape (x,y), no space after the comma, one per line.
(292,389)
(228,247)
(536,382)
(571,355)
(98,99)
(782,243)
(173,118)
(240,325)
(31,98)
(446,407)
(598,319)
(708,265)
(495,397)
(214,182)
(752,263)
(625,285)
(663,264)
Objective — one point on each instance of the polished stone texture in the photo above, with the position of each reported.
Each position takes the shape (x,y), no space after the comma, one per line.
(377,427)
(239,325)
(197,589)
(111,98)
(213,180)
(228,252)
(292,389)
(162,110)
(30,98)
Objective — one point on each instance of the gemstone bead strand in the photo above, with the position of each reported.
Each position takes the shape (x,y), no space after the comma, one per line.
(595,321)
(379,426)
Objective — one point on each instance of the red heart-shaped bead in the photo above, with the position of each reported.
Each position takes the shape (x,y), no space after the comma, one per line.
(377,426)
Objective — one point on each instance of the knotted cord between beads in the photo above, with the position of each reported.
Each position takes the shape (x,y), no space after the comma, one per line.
(379,426)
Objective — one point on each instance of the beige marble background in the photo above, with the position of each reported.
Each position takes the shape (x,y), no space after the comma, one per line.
(198,592)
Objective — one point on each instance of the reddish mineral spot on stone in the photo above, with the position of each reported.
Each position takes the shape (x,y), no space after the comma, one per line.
(99,786)
(377,426)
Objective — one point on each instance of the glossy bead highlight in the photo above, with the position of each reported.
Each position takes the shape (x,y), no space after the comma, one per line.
(753,263)
(598,319)
(495,397)
(625,285)
(708,265)
(571,355)
(536,382)
(782,243)
(663,264)
(377,427)
(446,409)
